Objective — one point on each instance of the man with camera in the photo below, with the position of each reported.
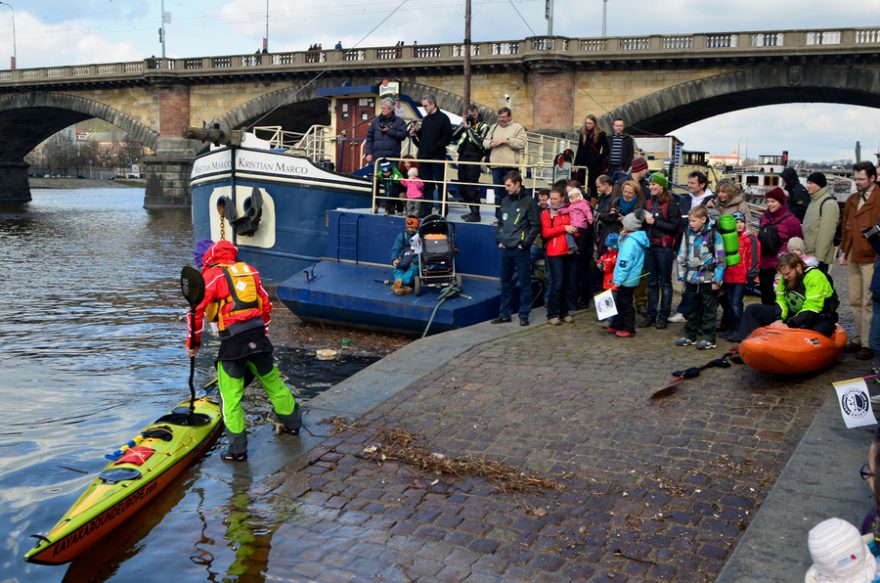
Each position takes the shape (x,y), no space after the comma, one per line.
(861,212)
(469,139)
(506,141)
(385,134)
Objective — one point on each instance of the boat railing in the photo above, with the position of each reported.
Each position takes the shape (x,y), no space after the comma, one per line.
(312,143)
(535,177)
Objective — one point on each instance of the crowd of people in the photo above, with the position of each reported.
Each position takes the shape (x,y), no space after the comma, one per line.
(642,235)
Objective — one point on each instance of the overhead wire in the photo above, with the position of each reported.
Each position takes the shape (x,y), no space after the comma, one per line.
(328,68)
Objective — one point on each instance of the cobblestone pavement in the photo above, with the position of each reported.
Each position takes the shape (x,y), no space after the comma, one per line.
(653,491)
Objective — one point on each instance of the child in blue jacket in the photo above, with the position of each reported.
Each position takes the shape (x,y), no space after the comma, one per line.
(701,268)
(628,273)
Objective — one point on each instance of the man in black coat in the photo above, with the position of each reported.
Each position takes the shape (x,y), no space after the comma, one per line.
(432,136)
(798,197)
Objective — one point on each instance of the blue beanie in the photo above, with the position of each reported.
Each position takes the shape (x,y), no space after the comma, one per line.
(202,245)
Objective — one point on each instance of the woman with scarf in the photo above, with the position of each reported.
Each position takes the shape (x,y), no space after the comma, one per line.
(592,152)
(777,225)
(561,264)
(663,224)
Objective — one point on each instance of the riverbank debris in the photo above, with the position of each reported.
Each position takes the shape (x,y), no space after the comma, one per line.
(409,448)
(339,423)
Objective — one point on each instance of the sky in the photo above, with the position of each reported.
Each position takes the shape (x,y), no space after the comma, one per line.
(65,32)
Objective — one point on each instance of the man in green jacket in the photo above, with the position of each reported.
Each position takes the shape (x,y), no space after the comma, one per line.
(805,298)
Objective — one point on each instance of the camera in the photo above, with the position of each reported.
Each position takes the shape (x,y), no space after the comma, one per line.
(472,119)
(869,232)
(507,97)
(383,126)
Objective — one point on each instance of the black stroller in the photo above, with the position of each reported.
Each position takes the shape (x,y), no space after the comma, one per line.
(437,259)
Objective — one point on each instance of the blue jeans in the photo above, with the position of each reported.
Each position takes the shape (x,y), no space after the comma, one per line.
(874,334)
(516,271)
(658,263)
(562,285)
(408,275)
(733,305)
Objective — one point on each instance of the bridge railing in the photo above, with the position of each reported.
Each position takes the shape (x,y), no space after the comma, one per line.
(615,48)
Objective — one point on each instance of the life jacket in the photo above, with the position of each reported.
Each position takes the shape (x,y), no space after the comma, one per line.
(243,295)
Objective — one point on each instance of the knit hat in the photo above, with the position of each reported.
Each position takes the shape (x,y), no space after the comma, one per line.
(839,554)
(384,165)
(658,178)
(797,243)
(818,179)
(639,164)
(739,216)
(633,221)
(776,194)
(202,245)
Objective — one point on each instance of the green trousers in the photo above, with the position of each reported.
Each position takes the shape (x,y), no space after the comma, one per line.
(232,391)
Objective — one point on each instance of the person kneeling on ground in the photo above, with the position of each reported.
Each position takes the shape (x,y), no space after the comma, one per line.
(404,257)
(236,301)
(805,298)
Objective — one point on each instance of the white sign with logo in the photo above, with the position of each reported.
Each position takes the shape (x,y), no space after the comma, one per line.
(605,306)
(855,403)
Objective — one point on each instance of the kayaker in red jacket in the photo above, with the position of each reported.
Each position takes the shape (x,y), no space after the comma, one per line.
(238,305)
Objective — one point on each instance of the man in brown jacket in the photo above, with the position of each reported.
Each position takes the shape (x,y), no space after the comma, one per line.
(862,210)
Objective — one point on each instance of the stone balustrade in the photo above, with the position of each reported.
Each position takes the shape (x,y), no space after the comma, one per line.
(511,52)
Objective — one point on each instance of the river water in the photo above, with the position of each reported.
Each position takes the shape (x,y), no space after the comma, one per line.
(91,352)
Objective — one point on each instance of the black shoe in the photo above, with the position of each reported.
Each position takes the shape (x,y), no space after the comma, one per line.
(646,323)
(865,354)
(234,457)
(501,320)
(523,321)
(471,218)
(661,324)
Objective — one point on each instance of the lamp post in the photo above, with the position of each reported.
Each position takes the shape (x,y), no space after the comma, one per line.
(604,15)
(266,38)
(12,61)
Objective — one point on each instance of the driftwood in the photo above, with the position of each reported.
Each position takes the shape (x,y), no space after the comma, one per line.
(214,135)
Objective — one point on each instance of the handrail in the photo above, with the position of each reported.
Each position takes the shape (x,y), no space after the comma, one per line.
(532,179)
(819,41)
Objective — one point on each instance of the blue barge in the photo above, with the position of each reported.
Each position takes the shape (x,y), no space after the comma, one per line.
(348,286)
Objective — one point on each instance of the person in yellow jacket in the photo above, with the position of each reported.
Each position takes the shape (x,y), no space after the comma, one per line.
(805,298)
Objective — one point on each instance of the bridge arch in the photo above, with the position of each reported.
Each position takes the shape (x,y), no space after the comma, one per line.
(24,122)
(260,106)
(674,107)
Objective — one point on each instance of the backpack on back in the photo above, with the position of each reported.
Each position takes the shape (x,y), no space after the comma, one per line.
(768,235)
(838,230)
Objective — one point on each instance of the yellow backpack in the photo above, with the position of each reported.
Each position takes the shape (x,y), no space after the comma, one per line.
(242,289)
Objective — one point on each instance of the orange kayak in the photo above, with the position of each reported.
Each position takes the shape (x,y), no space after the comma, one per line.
(791,351)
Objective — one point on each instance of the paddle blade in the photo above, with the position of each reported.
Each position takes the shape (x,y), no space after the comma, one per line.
(192,285)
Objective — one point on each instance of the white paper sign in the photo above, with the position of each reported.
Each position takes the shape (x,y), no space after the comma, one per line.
(855,403)
(605,306)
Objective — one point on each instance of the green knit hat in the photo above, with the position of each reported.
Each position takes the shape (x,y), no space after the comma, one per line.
(658,178)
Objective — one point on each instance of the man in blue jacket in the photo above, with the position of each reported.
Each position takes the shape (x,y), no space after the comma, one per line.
(385,134)
(518,225)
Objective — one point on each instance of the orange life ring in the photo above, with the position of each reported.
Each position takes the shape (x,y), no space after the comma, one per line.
(791,351)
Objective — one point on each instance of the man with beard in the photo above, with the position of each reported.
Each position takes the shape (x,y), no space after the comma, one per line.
(805,298)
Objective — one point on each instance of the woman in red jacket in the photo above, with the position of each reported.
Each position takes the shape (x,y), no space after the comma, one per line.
(561,265)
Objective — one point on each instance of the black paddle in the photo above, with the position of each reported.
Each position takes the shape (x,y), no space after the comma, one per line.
(193,287)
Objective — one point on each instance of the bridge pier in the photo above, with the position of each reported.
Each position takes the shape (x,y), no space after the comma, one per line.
(167,174)
(14,187)
(553,86)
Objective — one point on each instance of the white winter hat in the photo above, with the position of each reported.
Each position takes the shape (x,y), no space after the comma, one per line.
(839,554)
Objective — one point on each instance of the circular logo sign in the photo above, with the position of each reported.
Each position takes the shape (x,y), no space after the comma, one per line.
(855,403)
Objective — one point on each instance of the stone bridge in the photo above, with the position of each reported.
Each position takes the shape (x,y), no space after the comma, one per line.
(656,83)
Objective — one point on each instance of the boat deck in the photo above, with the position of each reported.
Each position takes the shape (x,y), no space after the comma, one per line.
(357,295)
